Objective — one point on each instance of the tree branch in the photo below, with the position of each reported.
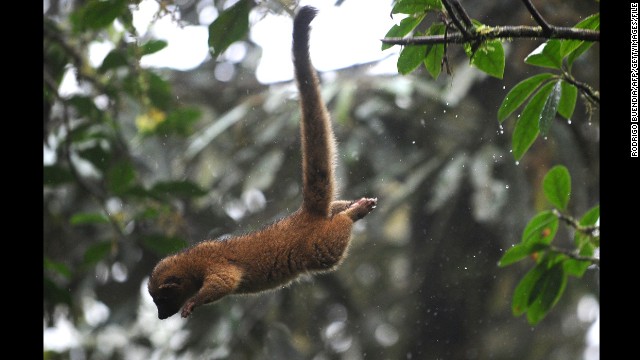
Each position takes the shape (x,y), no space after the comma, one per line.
(500,32)
(456,21)
(591,94)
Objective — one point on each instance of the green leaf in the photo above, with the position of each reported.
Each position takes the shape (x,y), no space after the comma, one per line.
(489,57)
(519,93)
(541,229)
(97,252)
(179,121)
(415,6)
(88,218)
(159,91)
(97,14)
(576,53)
(546,55)
(520,301)
(53,175)
(230,26)
(435,53)
(164,245)
(54,293)
(550,108)
(120,177)
(526,130)
(546,293)
(406,26)
(410,58)
(520,252)
(591,23)
(96,155)
(178,189)
(85,106)
(567,100)
(57,267)
(591,217)
(153,46)
(557,186)
(114,59)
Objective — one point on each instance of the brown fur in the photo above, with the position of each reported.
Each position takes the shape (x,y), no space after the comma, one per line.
(312,239)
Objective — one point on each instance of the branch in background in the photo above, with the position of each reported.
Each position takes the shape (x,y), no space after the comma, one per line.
(500,32)
(462,13)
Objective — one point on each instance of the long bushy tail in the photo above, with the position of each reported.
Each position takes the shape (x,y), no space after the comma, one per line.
(318,142)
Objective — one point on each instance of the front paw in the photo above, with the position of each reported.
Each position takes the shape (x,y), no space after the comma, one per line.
(188,308)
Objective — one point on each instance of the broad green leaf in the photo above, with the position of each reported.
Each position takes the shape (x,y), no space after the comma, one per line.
(178,188)
(159,91)
(97,252)
(230,26)
(526,130)
(53,175)
(406,26)
(546,293)
(179,121)
(550,108)
(541,229)
(567,100)
(591,23)
(96,155)
(520,301)
(575,267)
(577,52)
(114,59)
(97,14)
(591,216)
(85,106)
(520,252)
(415,6)
(546,55)
(489,57)
(88,218)
(519,93)
(57,267)
(120,176)
(435,53)
(557,186)
(410,58)
(153,46)
(164,245)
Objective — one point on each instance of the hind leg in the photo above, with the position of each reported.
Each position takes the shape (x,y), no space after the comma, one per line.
(356,210)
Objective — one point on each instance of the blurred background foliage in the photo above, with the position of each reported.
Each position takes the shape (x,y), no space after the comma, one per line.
(140,162)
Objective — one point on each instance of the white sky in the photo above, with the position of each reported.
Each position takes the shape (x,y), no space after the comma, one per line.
(341,36)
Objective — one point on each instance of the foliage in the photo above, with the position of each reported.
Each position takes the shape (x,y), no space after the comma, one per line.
(542,286)
(546,95)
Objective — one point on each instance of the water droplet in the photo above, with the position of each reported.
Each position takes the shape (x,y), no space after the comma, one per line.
(569,121)
(503,87)
(545,138)
(413,142)
(506,186)
(517,163)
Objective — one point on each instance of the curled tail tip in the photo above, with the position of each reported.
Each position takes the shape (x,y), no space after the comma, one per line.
(302,20)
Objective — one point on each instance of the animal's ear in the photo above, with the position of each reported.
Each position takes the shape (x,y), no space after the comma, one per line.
(171,282)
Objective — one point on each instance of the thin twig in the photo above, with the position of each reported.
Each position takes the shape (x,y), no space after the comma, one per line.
(546,28)
(573,255)
(591,94)
(500,32)
(462,13)
(591,230)
(456,21)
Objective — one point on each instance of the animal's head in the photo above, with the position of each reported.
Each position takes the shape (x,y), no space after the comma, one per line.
(169,287)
